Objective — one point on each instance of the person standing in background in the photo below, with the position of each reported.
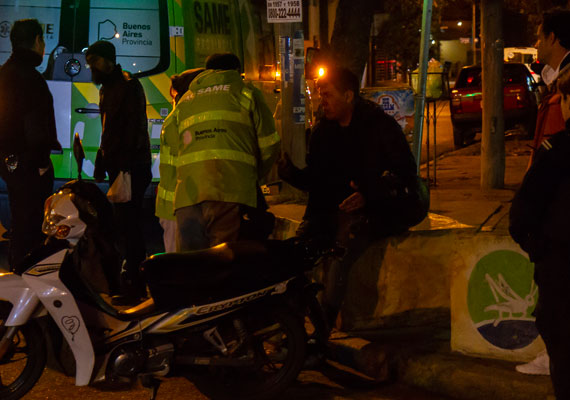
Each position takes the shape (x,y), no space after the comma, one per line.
(27,137)
(539,221)
(164,209)
(125,147)
(553,50)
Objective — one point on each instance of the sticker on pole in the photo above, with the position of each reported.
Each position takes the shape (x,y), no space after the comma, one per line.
(284,11)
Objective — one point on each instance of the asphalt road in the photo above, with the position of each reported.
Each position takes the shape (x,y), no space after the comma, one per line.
(331,382)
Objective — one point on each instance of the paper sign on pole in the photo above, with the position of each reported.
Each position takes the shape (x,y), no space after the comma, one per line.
(284,11)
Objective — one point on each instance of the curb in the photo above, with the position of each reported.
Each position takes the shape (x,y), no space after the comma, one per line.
(449,374)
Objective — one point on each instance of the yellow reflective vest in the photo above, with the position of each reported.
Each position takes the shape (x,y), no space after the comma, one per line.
(167,168)
(227,140)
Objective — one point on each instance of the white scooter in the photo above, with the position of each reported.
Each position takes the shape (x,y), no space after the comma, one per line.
(233,314)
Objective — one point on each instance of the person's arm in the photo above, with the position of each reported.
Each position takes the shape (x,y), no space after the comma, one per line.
(39,125)
(396,170)
(300,177)
(530,200)
(268,140)
(136,123)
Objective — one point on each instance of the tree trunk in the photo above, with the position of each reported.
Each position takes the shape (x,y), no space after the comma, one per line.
(493,138)
(351,34)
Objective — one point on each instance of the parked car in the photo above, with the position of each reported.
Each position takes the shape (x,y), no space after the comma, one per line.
(520,101)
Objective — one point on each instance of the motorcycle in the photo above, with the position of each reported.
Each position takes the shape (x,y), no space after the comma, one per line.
(232,314)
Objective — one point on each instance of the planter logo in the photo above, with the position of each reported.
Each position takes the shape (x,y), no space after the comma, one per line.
(388,104)
(501,298)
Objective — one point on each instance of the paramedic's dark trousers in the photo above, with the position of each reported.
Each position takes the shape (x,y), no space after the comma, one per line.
(27,193)
(552,275)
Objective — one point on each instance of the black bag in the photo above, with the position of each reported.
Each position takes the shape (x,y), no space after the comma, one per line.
(406,207)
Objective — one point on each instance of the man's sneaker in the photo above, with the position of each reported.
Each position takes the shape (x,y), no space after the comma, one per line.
(539,366)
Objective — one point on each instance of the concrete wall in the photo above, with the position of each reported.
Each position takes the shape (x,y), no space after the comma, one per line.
(493,295)
(483,278)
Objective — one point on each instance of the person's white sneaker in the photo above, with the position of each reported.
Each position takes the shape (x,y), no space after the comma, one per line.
(539,366)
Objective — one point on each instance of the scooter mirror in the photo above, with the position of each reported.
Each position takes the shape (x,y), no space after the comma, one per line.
(78,154)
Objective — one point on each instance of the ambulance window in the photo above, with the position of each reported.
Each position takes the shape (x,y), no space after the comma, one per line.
(47,12)
(138,29)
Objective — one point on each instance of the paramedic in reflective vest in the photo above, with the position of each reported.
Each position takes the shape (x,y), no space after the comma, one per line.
(228,144)
(164,209)
(125,146)
(27,137)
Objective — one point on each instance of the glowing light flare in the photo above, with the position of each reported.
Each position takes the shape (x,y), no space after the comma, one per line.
(321,72)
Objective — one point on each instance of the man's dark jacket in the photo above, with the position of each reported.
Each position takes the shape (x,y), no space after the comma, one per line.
(27,123)
(373,153)
(539,213)
(124,140)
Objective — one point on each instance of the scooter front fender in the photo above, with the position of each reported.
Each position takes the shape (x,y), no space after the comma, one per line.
(15,290)
(61,305)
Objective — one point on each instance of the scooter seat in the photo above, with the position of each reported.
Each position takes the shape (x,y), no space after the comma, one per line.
(217,273)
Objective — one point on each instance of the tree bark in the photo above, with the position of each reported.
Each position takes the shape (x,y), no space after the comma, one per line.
(351,34)
(493,137)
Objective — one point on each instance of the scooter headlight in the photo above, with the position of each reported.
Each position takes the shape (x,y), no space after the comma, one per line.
(61,217)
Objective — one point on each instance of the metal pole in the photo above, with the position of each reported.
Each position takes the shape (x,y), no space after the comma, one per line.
(420,96)
(427,142)
(434,142)
(474,32)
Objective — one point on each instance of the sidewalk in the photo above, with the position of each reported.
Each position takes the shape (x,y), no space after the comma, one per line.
(414,346)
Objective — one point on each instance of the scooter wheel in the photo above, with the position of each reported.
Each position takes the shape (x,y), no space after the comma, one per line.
(24,362)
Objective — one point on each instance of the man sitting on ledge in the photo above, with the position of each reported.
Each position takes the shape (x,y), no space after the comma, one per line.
(360,176)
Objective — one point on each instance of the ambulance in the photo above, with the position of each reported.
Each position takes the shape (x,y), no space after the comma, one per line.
(154,39)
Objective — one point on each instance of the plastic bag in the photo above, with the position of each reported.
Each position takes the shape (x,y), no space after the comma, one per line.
(120,190)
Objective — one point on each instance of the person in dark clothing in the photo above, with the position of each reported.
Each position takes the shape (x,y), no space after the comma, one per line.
(125,146)
(539,222)
(360,176)
(27,137)
(553,51)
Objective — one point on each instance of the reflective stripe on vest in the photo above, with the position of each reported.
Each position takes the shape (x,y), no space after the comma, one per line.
(267,141)
(167,159)
(206,155)
(208,116)
(164,194)
(246,99)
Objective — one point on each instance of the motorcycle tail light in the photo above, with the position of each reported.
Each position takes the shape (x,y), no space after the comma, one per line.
(62,231)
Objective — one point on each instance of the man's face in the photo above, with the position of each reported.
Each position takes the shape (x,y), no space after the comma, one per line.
(98,68)
(39,45)
(336,105)
(543,45)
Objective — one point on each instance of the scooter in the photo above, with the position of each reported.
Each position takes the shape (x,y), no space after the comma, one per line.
(232,314)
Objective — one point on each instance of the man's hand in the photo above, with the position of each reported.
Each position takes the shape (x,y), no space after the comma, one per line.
(353,202)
